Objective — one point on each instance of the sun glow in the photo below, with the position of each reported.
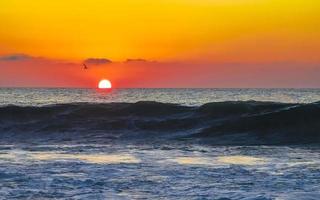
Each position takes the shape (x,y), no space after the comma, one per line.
(104,84)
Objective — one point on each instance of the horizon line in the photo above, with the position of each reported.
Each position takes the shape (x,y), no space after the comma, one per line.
(52,87)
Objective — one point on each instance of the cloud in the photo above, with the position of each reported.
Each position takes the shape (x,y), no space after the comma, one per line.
(21,59)
(15,57)
(141,61)
(135,60)
(97,61)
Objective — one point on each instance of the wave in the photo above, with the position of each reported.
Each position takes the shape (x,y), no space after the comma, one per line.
(232,122)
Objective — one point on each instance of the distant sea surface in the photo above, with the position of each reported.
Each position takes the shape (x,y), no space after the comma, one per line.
(191,97)
(250,144)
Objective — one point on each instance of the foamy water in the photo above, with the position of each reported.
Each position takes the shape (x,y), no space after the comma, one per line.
(170,171)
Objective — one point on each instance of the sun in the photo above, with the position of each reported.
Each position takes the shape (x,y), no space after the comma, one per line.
(104,84)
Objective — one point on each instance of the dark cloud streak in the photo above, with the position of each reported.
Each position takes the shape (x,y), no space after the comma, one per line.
(15,57)
(97,61)
(135,60)
(141,61)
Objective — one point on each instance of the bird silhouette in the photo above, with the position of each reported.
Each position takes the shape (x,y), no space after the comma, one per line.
(85,66)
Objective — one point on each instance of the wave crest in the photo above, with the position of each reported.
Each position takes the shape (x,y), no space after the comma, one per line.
(232,122)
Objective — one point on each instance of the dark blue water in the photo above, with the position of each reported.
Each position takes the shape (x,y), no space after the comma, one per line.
(196,144)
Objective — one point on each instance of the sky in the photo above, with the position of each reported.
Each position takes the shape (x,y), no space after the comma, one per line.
(160,43)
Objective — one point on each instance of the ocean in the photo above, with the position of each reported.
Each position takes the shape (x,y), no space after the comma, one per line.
(159,143)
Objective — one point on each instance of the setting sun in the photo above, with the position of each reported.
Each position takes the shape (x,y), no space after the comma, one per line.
(104,84)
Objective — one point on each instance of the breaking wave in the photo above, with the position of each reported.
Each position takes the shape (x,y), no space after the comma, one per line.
(232,122)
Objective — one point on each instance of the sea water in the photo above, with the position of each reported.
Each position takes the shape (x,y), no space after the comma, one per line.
(76,144)
(45,96)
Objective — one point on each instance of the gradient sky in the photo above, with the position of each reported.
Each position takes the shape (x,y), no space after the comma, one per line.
(160,43)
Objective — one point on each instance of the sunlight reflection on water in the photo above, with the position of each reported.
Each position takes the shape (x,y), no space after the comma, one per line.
(193,97)
(90,158)
(56,156)
(234,160)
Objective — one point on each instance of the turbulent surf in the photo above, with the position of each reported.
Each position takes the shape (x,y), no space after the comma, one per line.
(232,122)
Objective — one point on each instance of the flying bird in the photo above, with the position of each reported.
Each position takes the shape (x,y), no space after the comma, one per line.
(85,66)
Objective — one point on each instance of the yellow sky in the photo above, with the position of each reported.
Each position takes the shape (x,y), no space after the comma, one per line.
(205,30)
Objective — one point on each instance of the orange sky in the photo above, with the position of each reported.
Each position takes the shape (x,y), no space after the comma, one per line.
(182,43)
